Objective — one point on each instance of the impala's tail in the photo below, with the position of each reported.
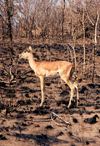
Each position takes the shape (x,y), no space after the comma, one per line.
(73,72)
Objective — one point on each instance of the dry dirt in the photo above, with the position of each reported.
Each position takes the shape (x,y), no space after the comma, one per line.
(26,124)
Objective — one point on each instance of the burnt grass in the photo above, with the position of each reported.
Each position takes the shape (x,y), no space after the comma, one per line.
(23,122)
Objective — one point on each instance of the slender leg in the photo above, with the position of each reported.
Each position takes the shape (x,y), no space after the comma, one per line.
(72,92)
(77,93)
(69,83)
(42,89)
(75,85)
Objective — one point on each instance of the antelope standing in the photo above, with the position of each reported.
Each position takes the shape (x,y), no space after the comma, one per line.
(44,69)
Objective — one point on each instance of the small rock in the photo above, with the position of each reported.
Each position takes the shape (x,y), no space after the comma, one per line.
(91,120)
(58,103)
(42,137)
(60,133)
(97,98)
(20,128)
(35,96)
(91,85)
(21,102)
(75,120)
(83,89)
(24,124)
(80,80)
(49,127)
(27,95)
(87,142)
(48,84)
(70,133)
(7,128)
(97,107)
(31,117)
(28,101)
(2,137)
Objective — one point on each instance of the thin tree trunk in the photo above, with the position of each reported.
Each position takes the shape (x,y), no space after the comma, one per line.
(63,18)
(93,64)
(84,40)
(96,25)
(74,54)
(95,45)
(9,10)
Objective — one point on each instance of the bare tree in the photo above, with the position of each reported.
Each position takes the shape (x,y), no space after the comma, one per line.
(83,22)
(63,9)
(94,19)
(9,9)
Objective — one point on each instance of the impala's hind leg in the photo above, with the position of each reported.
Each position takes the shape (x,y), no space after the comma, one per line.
(75,85)
(72,87)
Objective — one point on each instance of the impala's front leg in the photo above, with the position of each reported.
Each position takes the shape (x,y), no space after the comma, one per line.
(42,90)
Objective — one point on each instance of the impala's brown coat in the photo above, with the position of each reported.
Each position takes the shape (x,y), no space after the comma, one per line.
(51,69)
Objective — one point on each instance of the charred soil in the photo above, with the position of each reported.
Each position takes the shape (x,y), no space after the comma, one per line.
(22,122)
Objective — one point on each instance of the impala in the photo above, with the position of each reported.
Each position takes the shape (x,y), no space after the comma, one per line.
(44,69)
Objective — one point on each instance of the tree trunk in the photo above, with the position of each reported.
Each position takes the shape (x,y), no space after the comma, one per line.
(63,18)
(93,58)
(83,40)
(95,45)
(9,15)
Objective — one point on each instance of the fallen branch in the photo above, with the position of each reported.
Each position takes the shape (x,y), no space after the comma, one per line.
(67,123)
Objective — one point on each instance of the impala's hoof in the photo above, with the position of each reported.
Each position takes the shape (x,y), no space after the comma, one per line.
(78,102)
(41,105)
(68,106)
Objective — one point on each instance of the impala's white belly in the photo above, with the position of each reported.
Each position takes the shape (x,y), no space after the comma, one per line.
(52,74)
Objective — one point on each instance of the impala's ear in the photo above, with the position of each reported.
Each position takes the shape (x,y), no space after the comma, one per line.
(30,48)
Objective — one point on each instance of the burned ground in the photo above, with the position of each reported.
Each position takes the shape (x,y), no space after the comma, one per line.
(22,122)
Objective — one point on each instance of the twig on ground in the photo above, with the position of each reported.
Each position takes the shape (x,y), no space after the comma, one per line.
(67,123)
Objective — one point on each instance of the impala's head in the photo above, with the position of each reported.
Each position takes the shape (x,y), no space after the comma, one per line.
(26,53)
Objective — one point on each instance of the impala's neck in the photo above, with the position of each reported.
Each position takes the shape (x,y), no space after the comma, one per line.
(32,63)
